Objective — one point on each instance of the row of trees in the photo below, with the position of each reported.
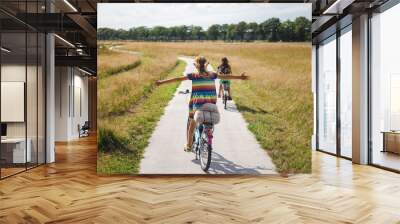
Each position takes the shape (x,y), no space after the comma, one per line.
(271,30)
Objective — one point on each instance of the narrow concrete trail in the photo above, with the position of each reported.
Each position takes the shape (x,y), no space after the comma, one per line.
(118,49)
(235,149)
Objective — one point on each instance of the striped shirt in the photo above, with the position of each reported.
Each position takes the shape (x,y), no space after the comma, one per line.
(203,91)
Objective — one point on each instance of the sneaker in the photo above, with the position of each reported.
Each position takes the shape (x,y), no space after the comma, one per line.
(186,148)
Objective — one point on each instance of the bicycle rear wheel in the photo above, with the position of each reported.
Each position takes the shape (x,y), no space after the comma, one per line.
(205,156)
(225,99)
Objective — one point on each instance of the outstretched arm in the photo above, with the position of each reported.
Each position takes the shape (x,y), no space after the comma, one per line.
(159,82)
(243,76)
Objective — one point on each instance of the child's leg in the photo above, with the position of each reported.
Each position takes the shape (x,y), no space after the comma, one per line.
(220,90)
(229,92)
(192,125)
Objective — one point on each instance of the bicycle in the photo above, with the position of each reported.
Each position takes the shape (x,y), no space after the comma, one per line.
(202,144)
(205,118)
(225,96)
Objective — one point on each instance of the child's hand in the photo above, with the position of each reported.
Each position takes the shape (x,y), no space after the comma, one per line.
(158,82)
(244,76)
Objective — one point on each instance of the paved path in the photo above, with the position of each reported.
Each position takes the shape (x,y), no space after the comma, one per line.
(118,49)
(236,150)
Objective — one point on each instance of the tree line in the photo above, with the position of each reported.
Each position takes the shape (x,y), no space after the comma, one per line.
(270,30)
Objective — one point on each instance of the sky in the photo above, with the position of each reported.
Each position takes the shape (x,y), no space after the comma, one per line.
(128,15)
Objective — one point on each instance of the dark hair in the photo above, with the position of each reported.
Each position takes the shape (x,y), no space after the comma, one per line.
(224,64)
(201,64)
(225,61)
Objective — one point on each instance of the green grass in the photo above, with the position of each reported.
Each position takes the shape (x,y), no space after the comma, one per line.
(278,113)
(117,163)
(282,132)
(120,151)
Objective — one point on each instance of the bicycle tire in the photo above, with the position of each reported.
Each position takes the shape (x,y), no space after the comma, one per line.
(225,100)
(205,165)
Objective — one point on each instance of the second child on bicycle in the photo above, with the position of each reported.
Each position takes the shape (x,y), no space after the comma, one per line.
(203,91)
(224,69)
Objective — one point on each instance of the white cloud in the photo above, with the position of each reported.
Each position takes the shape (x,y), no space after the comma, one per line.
(127,15)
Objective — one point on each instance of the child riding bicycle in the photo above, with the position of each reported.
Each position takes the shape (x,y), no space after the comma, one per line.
(224,69)
(203,91)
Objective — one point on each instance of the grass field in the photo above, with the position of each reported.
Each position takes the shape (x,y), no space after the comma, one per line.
(117,93)
(123,137)
(276,101)
(129,106)
(111,62)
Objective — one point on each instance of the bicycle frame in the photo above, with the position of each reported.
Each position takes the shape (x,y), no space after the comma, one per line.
(209,134)
(208,129)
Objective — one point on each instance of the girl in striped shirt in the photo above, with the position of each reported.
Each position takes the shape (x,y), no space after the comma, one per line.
(203,91)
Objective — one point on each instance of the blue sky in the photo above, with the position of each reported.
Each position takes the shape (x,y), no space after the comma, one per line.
(127,15)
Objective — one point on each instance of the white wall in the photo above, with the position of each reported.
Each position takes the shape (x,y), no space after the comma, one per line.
(12,73)
(62,82)
(33,126)
(70,83)
(81,88)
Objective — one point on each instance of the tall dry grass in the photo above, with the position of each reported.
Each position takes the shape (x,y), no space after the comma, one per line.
(128,105)
(118,93)
(109,60)
(123,138)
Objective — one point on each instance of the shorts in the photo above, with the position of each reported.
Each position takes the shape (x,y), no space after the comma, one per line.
(227,82)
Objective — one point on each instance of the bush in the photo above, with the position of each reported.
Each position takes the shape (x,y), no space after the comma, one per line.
(108,141)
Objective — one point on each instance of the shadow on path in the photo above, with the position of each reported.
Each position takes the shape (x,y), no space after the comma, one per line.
(221,165)
(231,107)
